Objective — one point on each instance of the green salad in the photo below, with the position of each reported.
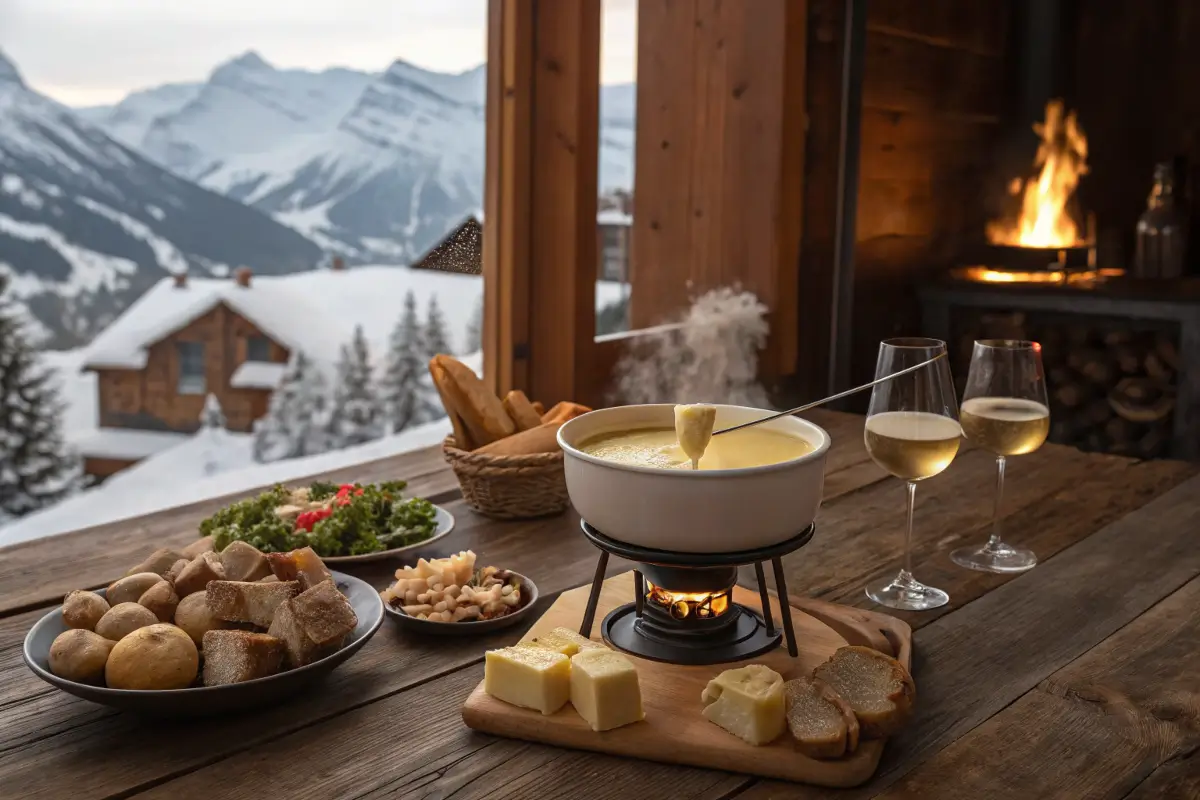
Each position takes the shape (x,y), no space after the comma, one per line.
(334,520)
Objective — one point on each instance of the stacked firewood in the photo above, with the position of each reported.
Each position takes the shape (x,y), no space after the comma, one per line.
(1111,385)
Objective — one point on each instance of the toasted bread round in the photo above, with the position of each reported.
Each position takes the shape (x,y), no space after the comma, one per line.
(822,724)
(876,686)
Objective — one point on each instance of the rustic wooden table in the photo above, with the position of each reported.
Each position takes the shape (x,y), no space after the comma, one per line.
(1075,680)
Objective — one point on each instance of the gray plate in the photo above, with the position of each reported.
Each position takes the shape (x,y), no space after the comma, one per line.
(424,626)
(445,524)
(210,700)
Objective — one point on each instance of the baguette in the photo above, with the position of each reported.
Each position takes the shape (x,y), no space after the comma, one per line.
(521,410)
(481,411)
(566,410)
(876,686)
(441,380)
(822,724)
(542,439)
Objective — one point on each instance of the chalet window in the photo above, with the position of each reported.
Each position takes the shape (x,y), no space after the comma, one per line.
(190,356)
(258,348)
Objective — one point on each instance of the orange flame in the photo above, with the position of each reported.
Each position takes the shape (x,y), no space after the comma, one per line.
(1061,158)
(683,604)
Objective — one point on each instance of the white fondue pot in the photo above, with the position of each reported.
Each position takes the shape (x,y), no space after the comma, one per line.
(709,511)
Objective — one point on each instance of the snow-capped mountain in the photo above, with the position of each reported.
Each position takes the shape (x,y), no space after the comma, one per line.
(374,167)
(128,120)
(86,224)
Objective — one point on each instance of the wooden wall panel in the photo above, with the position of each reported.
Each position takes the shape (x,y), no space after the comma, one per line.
(719,163)
(933,89)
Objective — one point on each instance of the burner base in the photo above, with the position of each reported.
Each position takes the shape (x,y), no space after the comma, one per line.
(747,637)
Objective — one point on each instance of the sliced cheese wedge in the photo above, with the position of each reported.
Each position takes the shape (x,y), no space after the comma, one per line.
(566,641)
(528,677)
(747,702)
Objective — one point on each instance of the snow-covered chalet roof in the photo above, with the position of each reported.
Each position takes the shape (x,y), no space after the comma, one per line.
(314,312)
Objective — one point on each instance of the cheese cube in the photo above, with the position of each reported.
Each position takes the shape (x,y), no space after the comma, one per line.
(747,702)
(604,689)
(528,677)
(566,641)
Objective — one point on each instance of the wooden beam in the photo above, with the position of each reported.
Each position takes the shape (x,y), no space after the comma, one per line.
(507,212)
(565,133)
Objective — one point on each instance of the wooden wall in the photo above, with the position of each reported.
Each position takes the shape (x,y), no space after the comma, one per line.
(933,92)
(148,399)
(1135,67)
(719,161)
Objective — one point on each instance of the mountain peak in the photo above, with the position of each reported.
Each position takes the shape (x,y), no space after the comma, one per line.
(249,60)
(9,72)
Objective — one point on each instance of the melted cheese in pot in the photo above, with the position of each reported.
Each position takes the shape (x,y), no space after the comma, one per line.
(655,447)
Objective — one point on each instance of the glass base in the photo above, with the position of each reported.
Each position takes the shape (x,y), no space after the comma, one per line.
(998,558)
(906,593)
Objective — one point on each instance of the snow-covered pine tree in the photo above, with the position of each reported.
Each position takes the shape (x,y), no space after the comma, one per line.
(36,468)
(294,425)
(403,390)
(212,416)
(474,342)
(355,416)
(437,340)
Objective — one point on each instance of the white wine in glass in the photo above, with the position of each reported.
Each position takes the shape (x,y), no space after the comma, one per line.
(912,431)
(1004,412)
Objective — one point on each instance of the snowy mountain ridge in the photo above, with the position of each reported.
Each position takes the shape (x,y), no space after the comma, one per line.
(87,224)
(373,167)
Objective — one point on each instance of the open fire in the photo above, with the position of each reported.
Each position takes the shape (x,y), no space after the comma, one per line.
(1045,219)
(1042,240)
(689,605)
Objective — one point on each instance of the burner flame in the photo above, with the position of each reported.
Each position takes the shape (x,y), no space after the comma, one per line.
(684,605)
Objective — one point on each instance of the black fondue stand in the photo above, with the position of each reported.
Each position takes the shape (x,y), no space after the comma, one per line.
(650,630)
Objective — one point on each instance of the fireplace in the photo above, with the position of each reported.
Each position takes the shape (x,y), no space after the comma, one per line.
(682,610)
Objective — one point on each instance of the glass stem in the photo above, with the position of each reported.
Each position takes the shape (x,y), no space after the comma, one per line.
(994,541)
(912,499)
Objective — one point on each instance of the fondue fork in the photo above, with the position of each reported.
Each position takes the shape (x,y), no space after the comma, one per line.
(831,398)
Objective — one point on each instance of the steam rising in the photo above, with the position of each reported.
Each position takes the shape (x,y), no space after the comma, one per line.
(711,356)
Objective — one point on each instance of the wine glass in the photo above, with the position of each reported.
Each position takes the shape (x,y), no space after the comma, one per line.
(1004,411)
(912,432)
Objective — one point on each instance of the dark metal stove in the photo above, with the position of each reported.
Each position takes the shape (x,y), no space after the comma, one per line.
(683,610)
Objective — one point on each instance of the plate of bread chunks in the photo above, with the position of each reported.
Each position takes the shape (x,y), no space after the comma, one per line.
(450,597)
(197,632)
(504,451)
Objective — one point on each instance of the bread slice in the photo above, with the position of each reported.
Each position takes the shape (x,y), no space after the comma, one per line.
(303,565)
(238,656)
(822,724)
(238,601)
(876,686)
(521,410)
(542,439)
(482,412)
(441,382)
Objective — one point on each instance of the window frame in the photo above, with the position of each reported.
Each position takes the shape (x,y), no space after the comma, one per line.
(265,343)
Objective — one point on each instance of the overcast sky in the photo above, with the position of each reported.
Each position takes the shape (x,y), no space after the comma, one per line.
(89,52)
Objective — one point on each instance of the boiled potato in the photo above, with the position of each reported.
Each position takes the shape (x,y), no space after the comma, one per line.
(123,619)
(128,590)
(193,616)
(159,656)
(80,655)
(161,599)
(83,609)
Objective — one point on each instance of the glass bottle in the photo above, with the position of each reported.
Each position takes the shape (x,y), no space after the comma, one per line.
(1160,230)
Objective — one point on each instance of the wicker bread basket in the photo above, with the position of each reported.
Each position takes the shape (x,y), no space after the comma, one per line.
(510,487)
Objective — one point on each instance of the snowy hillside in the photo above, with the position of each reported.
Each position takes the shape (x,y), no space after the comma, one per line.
(128,120)
(374,167)
(87,225)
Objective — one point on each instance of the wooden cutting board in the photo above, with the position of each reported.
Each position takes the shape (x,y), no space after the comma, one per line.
(674,730)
